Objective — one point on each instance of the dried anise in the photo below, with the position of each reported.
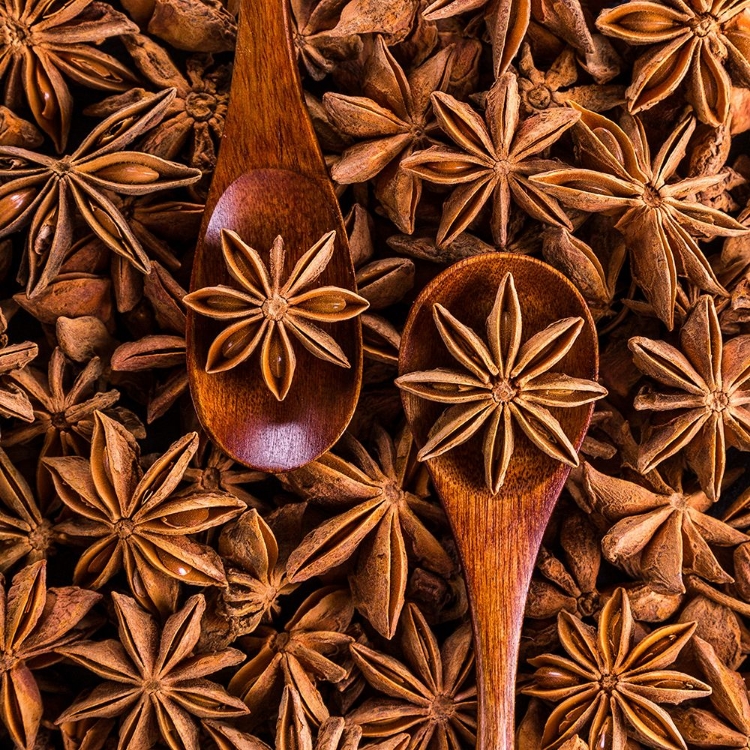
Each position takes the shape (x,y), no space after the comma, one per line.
(256,567)
(540,90)
(659,221)
(25,531)
(138,521)
(689,40)
(392,120)
(40,192)
(300,655)
(384,523)
(35,623)
(432,699)
(663,534)
(266,312)
(155,681)
(505,382)
(41,40)
(493,161)
(706,403)
(612,685)
(63,415)
(195,117)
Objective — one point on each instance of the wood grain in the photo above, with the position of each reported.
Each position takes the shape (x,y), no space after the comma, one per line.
(271,179)
(498,536)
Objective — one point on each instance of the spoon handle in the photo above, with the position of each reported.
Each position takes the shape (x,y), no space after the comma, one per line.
(498,564)
(267,125)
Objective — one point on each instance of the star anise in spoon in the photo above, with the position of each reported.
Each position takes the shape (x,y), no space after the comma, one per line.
(504,385)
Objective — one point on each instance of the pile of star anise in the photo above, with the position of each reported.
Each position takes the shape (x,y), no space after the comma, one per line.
(156,594)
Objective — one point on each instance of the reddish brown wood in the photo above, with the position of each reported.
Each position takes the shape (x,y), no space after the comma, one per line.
(271,179)
(498,537)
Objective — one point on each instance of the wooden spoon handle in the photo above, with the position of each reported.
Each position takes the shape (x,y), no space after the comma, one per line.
(497,578)
(267,126)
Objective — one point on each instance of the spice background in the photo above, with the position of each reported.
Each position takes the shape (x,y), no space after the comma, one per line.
(158,595)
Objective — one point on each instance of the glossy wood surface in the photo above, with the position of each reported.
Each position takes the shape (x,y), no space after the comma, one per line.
(498,536)
(271,179)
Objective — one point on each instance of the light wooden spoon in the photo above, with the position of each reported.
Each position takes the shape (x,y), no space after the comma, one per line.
(271,180)
(498,536)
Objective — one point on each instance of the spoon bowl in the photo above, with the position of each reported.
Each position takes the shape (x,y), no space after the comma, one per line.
(270,180)
(497,535)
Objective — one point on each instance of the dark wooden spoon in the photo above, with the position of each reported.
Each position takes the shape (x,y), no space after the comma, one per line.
(271,180)
(498,536)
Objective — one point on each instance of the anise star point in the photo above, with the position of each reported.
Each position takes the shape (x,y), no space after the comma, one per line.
(266,312)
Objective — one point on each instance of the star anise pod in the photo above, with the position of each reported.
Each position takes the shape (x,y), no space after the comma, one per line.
(213,471)
(493,161)
(384,522)
(392,119)
(40,192)
(293,731)
(690,41)
(255,558)
(14,402)
(318,47)
(64,411)
(542,89)
(620,177)
(25,531)
(569,583)
(729,698)
(34,623)
(705,405)
(195,119)
(300,655)
(155,680)
(264,312)
(612,685)
(505,384)
(41,41)
(138,521)
(662,535)
(432,696)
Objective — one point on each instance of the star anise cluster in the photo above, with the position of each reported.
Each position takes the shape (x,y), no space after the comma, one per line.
(157,594)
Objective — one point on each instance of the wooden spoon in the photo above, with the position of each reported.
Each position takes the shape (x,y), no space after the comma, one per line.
(498,536)
(271,180)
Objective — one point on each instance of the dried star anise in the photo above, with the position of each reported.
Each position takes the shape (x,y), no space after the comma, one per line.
(705,405)
(433,698)
(139,521)
(660,222)
(40,40)
(506,384)
(264,312)
(611,685)
(492,161)
(155,681)
(35,623)
(41,192)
